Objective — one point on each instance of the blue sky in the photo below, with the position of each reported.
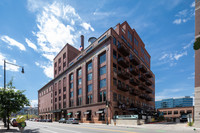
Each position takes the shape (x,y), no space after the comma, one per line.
(32,32)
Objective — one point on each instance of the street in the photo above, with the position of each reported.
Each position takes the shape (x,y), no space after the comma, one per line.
(43,127)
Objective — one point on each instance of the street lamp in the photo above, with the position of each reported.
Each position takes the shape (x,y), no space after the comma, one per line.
(5,82)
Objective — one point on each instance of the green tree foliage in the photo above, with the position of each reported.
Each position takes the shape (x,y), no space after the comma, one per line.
(12,100)
(197,44)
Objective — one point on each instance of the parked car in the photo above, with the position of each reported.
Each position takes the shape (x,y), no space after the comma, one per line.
(183,118)
(49,120)
(13,122)
(72,121)
(62,120)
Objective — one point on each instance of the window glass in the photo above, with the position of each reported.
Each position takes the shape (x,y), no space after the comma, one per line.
(136,41)
(135,51)
(114,40)
(89,76)
(102,58)
(79,81)
(89,87)
(71,94)
(89,66)
(129,36)
(80,91)
(103,70)
(71,85)
(102,83)
(114,54)
(71,76)
(100,97)
(104,96)
(79,72)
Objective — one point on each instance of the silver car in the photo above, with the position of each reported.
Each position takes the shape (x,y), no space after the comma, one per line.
(72,121)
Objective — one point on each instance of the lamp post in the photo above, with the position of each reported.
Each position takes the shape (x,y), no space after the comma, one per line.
(5,82)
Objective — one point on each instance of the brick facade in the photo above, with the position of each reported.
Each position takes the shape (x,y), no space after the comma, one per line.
(197,65)
(108,71)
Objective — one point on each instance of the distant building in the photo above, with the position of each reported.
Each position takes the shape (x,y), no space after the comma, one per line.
(112,76)
(26,110)
(186,101)
(174,114)
(197,65)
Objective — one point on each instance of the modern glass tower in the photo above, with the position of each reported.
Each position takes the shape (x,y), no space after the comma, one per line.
(186,101)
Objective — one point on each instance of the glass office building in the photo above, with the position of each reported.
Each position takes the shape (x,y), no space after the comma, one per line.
(174,102)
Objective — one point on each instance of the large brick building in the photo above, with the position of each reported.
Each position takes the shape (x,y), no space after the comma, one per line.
(110,77)
(197,65)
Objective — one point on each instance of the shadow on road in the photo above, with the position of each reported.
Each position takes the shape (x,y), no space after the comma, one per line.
(15,130)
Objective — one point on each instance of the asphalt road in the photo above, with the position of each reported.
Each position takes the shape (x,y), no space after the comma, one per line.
(43,127)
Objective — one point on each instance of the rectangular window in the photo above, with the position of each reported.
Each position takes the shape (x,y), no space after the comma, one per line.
(114,40)
(64,64)
(124,39)
(59,91)
(71,77)
(71,85)
(169,112)
(89,49)
(100,97)
(114,97)
(102,83)
(104,96)
(175,112)
(64,88)
(136,52)
(79,72)
(89,77)
(119,97)
(55,93)
(103,70)
(64,96)
(79,81)
(142,50)
(64,55)
(129,45)
(71,94)
(59,68)
(59,60)
(89,66)
(102,58)
(89,87)
(79,57)
(59,98)
(79,91)
(136,41)
(129,36)
(55,99)
(55,64)
(114,81)
(114,67)
(114,54)
(64,104)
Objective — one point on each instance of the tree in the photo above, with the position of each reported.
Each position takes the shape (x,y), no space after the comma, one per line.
(197,44)
(12,100)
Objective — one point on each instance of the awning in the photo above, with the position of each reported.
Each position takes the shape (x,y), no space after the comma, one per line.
(69,113)
(99,112)
(77,113)
(86,113)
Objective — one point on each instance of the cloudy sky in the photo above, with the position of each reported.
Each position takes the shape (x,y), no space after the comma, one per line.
(32,32)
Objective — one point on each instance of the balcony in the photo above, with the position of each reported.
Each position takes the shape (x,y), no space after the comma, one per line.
(134,81)
(148,74)
(142,96)
(149,82)
(122,87)
(134,71)
(148,98)
(148,90)
(134,60)
(142,87)
(142,77)
(123,74)
(123,62)
(142,68)
(121,48)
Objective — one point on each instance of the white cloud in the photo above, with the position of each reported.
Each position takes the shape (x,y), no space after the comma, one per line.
(177,56)
(87,26)
(34,103)
(177,21)
(12,42)
(164,56)
(30,44)
(8,67)
(48,68)
(193,4)
(57,24)
(191,76)
(188,45)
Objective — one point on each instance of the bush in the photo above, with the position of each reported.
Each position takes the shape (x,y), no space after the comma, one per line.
(190,124)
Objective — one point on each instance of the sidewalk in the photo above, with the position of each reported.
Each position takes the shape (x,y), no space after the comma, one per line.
(4,129)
